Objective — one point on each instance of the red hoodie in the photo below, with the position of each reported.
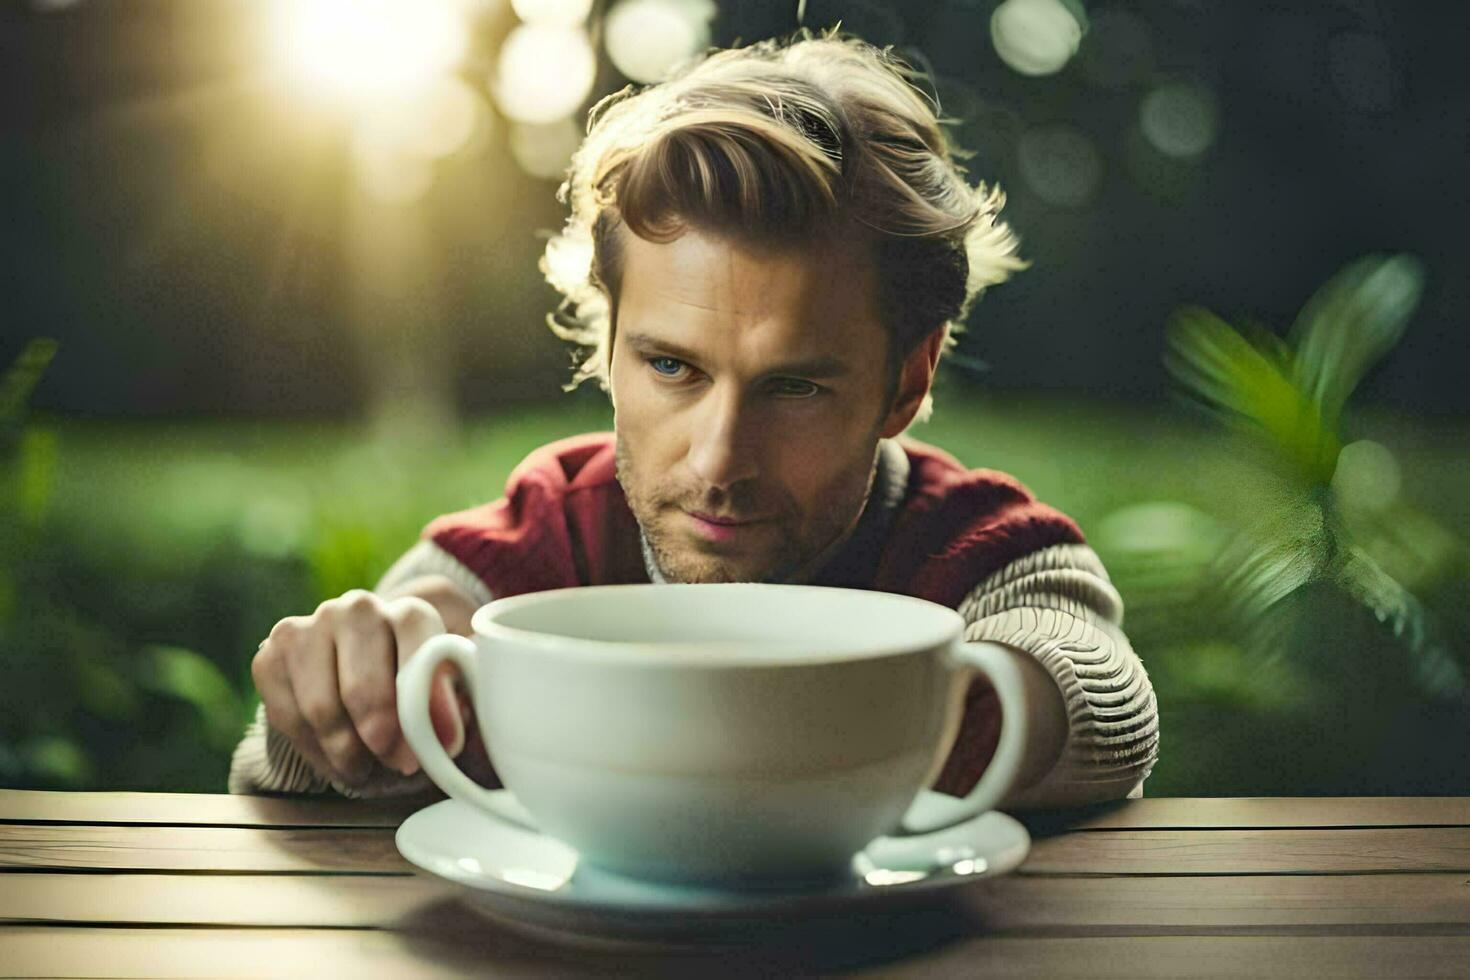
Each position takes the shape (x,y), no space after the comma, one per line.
(564,521)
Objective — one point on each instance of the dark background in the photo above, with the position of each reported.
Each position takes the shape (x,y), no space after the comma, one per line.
(184,240)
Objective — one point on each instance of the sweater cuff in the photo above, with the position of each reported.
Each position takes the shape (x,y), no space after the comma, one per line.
(1058,605)
(426,557)
(1113,728)
(265,761)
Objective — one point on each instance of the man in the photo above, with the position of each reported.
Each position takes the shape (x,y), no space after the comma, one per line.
(764,260)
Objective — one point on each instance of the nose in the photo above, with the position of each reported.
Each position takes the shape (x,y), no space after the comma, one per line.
(721,450)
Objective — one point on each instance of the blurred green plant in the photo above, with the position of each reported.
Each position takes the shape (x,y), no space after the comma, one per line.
(156,555)
(19,381)
(1333,520)
(27,464)
(71,671)
(27,454)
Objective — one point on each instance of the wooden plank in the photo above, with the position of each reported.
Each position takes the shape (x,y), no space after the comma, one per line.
(330,901)
(1128,957)
(34,806)
(1159,852)
(150,848)
(1074,906)
(37,806)
(1181,852)
(1015,903)
(1203,813)
(46,951)
(40,951)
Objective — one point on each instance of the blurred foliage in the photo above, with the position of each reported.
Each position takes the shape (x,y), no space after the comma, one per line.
(1280,604)
(1302,605)
(154,556)
(1291,395)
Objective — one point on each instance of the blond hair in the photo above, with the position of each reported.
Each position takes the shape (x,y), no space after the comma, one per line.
(776,142)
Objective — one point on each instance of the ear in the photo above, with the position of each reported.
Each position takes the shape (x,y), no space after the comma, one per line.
(914,378)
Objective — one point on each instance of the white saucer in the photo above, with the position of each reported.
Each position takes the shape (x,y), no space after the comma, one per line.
(536,884)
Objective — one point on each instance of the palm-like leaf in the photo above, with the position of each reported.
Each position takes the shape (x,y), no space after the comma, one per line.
(1292,396)
(1284,553)
(1352,321)
(1435,669)
(1249,382)
(18,382)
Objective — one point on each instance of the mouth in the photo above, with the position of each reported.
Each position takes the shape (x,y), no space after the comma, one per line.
(715,528)
(722,521)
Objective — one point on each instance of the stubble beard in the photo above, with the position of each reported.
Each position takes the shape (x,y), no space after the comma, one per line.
(792,559)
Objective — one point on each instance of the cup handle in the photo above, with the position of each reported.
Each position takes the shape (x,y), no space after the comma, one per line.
(931,812)
(414,682)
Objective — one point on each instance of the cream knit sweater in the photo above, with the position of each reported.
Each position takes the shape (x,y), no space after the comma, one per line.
(1056,604)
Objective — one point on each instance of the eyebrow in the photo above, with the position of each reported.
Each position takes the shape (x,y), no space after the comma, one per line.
(818,367)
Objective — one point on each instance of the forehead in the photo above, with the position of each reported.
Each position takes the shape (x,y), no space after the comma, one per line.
(708,290)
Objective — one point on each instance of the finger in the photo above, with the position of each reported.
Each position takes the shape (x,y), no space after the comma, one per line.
(414,622)
(366,665)
(305,741)
(313,669)
(273,681)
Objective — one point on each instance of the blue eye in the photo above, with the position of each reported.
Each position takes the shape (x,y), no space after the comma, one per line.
(794,389)
(668,367)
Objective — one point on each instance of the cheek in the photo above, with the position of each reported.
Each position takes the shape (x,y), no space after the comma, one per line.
(647,431)
(639,394)
(815,466)
(829,473)
(631,403)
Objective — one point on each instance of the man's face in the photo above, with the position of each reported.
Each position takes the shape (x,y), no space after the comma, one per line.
(748,387)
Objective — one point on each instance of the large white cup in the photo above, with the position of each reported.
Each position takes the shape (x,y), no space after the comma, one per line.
(723,732)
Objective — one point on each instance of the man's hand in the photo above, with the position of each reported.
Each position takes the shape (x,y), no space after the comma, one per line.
(329,683)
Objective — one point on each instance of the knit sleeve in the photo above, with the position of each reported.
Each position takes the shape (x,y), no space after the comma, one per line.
(1058,605)
(265,761)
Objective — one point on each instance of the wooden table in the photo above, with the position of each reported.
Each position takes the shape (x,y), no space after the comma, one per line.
(141,884)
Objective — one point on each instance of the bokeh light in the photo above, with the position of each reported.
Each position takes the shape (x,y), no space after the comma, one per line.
(388,171)
(1035,37)
(645,38)
(363,49)
(566,13)
(1060,164)
(433,123)
(545,72)
(1367,476)
(1178,119)
(1156,533)
(545,149)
